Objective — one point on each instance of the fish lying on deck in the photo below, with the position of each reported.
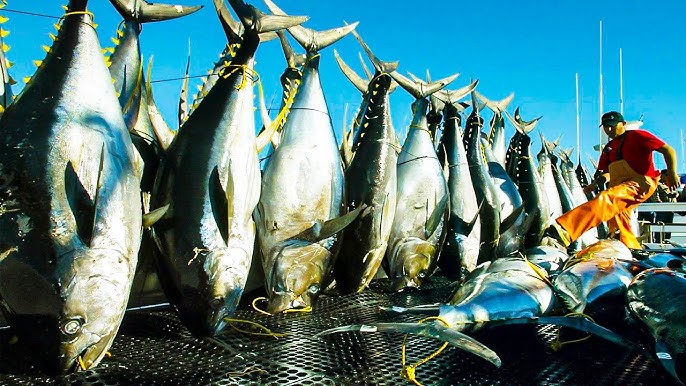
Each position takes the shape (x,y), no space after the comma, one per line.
(594,281)
(657,298)
(70,224)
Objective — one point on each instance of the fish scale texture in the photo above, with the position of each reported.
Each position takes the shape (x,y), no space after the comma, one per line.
(153,348)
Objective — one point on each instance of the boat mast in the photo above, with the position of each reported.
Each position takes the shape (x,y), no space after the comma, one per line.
(600,131)
(621,85)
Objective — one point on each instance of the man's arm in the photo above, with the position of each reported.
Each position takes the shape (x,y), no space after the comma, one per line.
(669,154)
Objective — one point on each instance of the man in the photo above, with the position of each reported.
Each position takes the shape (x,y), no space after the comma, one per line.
(626,164)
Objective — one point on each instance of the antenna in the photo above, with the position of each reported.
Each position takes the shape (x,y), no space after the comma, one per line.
(600,132)
(621,85)
(578,119)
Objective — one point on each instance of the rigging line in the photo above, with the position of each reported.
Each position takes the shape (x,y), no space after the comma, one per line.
(30,13)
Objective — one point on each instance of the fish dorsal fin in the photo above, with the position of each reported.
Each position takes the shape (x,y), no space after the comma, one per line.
(349,73)
(144,12)
(222,201)
(322,230)
(311,40)
(292,59)
(183,97)
(421,90)
(436,216)
(150,218)
(379,65)
(265,137)
(162,131)
(364,65)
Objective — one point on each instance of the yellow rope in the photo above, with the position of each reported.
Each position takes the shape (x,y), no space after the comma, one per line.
(254,301)
(409,371)
(81,364)
(539,271)
(292,310)
(78,13)
(557,344)
(267,332)
(578,259)
(231,68)
(288,102)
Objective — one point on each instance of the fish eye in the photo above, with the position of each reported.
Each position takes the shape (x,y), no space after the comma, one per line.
(71,326)
(422,274)
(313,289)
(216,303)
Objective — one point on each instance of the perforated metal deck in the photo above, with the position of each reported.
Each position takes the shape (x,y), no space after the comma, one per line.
(153,348)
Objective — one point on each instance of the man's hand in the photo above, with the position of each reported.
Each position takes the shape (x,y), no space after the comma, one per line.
(672,180)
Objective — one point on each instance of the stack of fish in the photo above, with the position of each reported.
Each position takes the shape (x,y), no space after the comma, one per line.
(94,185)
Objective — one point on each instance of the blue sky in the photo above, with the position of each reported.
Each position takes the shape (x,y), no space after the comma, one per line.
(531,48)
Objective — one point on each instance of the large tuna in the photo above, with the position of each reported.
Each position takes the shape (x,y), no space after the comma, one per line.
(461,247)
(657,298)
(70,224)
(371,181)
(298,216)
(210,177)
(418,227)
(521,167)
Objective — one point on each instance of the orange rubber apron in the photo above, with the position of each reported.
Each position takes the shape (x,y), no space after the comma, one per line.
(627,189)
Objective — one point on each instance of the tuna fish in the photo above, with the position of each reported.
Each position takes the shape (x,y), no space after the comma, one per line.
(370,180)
(521,167)
(485,189)
(210,177)
(461,248)
(300,210)
(577,192)
(506,291)
(418,227)
(496,135)
(594,281)
(71,209)
(657,298)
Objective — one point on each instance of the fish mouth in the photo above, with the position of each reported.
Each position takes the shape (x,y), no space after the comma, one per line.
(282,301)
(87,358)
(220,309)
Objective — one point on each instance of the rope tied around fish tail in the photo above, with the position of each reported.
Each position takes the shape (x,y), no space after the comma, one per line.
(310,58)
(557,344)
(408,372)
(266,331)
(89,13)
(232,68)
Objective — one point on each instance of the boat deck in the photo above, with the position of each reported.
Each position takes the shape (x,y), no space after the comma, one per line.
(154,348)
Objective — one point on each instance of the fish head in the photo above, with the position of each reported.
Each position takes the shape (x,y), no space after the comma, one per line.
(95,288)
(297,275)
(227,270)
(414,261)
(462,249)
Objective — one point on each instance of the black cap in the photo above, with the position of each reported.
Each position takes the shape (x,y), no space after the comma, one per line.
(611,118)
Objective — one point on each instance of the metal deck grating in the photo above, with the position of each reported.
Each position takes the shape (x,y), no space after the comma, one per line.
(154,348)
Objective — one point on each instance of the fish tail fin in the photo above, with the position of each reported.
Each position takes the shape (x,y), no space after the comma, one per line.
(144,12)
(431,330)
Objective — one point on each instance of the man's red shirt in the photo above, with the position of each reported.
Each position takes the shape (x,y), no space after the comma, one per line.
(637,150)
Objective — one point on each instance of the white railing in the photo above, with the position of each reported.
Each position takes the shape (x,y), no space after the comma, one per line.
(677,227)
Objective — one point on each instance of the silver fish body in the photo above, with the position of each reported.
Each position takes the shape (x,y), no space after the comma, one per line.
(210,178)
(595,281)
(71,217)
(657,298)
(507,288)
(302,184)
(371,179)
(422,191)
(461,248)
